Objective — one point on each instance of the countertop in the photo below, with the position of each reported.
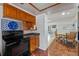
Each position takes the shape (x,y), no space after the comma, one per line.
(30,34)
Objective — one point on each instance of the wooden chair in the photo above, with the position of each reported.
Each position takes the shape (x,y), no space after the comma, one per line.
(71,37)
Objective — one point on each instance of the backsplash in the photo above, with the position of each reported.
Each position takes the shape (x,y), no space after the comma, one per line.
(5,25)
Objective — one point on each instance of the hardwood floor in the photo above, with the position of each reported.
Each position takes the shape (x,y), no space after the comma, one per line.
(39,52)
(58,49)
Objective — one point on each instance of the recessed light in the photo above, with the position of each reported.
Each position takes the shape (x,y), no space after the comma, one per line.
(63,13)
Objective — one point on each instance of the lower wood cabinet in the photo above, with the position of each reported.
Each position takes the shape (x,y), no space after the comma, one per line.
(34,43)
(37,41)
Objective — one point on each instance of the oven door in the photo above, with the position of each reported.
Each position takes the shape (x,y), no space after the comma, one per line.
(12,37)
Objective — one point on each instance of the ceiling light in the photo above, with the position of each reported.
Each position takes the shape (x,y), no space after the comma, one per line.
(63,13)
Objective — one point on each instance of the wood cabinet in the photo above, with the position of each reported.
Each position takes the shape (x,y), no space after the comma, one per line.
(9,11)
(25,25)
(37,41)
(21,15)
(34,43)
(12,12)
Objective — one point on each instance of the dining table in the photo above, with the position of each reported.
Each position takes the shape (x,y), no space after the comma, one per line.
(63,39)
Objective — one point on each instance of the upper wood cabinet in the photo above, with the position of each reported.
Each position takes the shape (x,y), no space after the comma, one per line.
(9,11)
(21,15)
(17,14)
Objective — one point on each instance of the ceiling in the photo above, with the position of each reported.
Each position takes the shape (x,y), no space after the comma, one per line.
(42,6)
(39,8)
(35,8)
(66,16)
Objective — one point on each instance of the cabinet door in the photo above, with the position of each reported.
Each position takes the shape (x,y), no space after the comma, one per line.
(13,13)
(21,15)
(32,44)
(18,14)
(37,41)
(9,11)
(25,25)
(5,7)
(28,17)
(33,21)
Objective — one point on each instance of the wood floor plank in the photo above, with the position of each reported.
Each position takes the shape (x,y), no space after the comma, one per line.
(57,49)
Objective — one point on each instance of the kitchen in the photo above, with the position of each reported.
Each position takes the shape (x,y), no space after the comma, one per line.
(27,29)
(15,41)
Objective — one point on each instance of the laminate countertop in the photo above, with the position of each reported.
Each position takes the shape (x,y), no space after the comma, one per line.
(30,34)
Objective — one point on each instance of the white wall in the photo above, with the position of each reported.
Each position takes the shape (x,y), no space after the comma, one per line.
(64,20)
(0,39)
(1,12)
(42,28)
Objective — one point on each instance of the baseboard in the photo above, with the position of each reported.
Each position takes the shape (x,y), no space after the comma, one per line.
(50,42)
